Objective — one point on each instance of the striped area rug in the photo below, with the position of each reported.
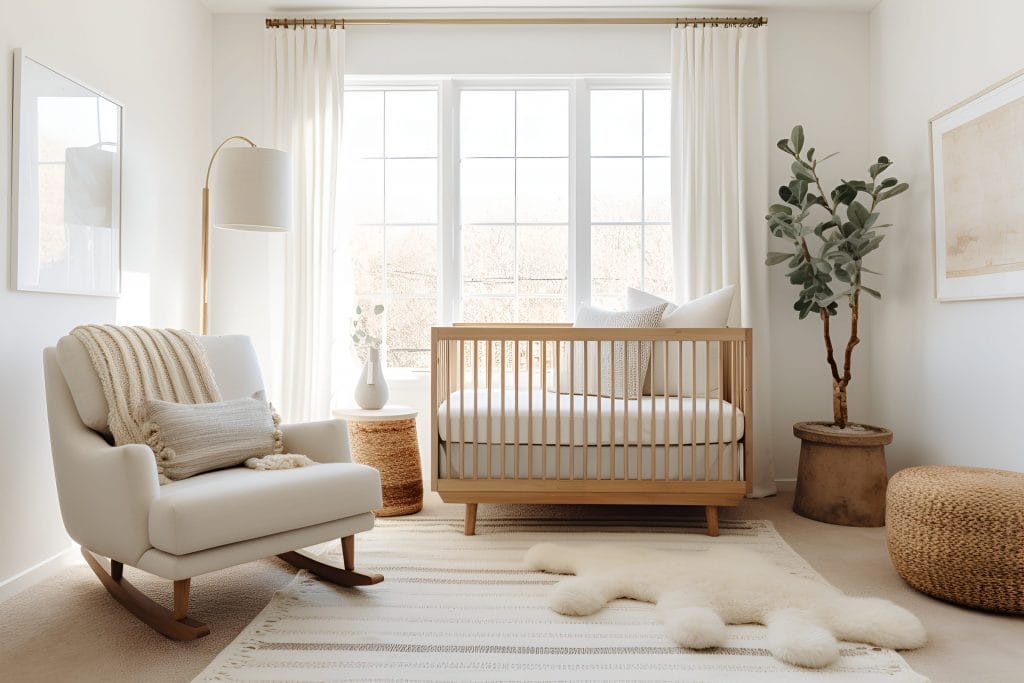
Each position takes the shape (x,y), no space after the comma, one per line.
(463,608)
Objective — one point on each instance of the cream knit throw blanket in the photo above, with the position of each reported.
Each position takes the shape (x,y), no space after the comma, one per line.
(136,364)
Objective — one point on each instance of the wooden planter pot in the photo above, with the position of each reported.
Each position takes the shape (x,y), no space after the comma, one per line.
(842,475)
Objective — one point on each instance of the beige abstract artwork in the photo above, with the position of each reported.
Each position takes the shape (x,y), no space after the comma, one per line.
(983,187)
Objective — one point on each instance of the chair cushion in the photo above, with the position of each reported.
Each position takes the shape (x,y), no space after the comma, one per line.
(232,359)
(239,504)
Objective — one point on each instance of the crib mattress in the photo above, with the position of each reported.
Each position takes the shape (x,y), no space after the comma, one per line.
(561,419)
(591,462)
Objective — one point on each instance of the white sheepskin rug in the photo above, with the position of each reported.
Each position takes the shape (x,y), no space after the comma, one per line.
(697,594)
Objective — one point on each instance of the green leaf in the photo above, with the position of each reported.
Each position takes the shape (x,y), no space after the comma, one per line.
(796,138)
(776,257)
(801,172)
(378,309)
(783,144)
(780,208)
(810,154)
(902,187)
(873,292)
(857,213)
(360,333)
(878,168)
(359,310)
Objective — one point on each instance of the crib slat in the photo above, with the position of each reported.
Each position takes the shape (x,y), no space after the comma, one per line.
(529,411)
(462,407)
(639,417)
(679,404)
(476,409)
(490,426)
(558,409)
(625,412)
(721,416)
(544,408)
(664,371)
(501,425)
(586,410)
(517,365)
(572,410)
(707,408)
(735,402)
(693,411)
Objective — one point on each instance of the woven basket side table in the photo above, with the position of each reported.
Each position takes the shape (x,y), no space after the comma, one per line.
(386,440)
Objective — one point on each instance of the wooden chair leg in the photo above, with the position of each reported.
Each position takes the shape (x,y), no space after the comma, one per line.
(711,513)
(181,588)
(160,619)
(330,572)
(470,519)
(348,552)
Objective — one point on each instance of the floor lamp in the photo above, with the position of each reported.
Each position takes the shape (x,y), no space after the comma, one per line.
(254,192)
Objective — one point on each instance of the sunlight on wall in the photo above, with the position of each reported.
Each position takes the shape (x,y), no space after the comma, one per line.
(133,305)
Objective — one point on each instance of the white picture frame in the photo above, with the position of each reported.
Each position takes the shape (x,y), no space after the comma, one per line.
(66,184)
(977,160)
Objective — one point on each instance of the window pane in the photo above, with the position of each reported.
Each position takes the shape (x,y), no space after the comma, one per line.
(544,260)
(542,190)
(488,259)
(488,310)
(362,191)
(412,259)
(409,322)
(658,260)
(616,187)
(656,190)
(410,123)
(362,126)
(614,261)
(410,191)
(616,122)
(487,121)
(657,117)
(542,123)
(488,190)
(542,310)
(367,249)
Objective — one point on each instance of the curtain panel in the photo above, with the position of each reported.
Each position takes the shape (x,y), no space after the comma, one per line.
(305,71)
(720,190)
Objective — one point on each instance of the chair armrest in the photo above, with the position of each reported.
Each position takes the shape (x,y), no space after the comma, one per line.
(105,495)
(324,441)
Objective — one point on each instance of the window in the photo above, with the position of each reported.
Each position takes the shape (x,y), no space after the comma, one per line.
(389,201)
(503,200)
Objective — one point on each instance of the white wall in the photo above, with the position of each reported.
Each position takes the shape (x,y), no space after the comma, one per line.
(947,377)
(827,93)
(154,57)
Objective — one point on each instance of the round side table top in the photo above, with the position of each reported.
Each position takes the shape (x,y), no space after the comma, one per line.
(389,413)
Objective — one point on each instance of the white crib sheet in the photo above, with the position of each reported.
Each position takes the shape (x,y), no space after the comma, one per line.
(690,420)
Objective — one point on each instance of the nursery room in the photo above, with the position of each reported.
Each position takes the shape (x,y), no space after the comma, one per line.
(401,340)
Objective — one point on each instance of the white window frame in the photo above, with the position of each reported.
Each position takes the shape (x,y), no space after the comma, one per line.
(449,224)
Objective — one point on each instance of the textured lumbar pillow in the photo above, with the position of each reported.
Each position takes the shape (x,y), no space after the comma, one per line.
(710,310)
(697,593)
(617,359)
(189,439)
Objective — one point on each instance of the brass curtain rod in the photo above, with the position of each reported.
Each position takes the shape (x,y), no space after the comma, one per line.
(513,21)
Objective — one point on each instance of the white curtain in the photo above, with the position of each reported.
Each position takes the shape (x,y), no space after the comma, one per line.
(305,86)
(720,190)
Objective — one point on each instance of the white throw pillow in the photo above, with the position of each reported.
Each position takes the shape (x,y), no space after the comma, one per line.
(616,357)
(710,310)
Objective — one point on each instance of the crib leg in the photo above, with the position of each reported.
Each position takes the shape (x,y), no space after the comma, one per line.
(711,513)
(470,519)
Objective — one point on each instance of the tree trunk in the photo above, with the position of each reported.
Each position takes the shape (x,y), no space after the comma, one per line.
(839,403)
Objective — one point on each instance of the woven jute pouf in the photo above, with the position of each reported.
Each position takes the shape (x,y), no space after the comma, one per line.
(392,448)
(957,533)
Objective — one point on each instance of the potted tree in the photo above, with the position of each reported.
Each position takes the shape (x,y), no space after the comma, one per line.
(842,475)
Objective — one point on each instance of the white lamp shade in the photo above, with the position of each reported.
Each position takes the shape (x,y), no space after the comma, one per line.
(251,189)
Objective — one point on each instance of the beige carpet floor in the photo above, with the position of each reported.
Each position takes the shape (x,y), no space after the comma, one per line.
(68,628)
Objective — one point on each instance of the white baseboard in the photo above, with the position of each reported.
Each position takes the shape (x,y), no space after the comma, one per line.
(39,572)
(788,484)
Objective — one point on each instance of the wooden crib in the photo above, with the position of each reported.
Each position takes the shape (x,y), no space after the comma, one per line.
(511,423)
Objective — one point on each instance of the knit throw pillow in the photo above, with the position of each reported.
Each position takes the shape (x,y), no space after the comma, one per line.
(623,364)
(189,439)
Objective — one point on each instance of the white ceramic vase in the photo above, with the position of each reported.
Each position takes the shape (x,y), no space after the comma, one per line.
(371,389)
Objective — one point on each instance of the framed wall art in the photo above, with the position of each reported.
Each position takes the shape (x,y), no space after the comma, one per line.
(66,189)
(977,152)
